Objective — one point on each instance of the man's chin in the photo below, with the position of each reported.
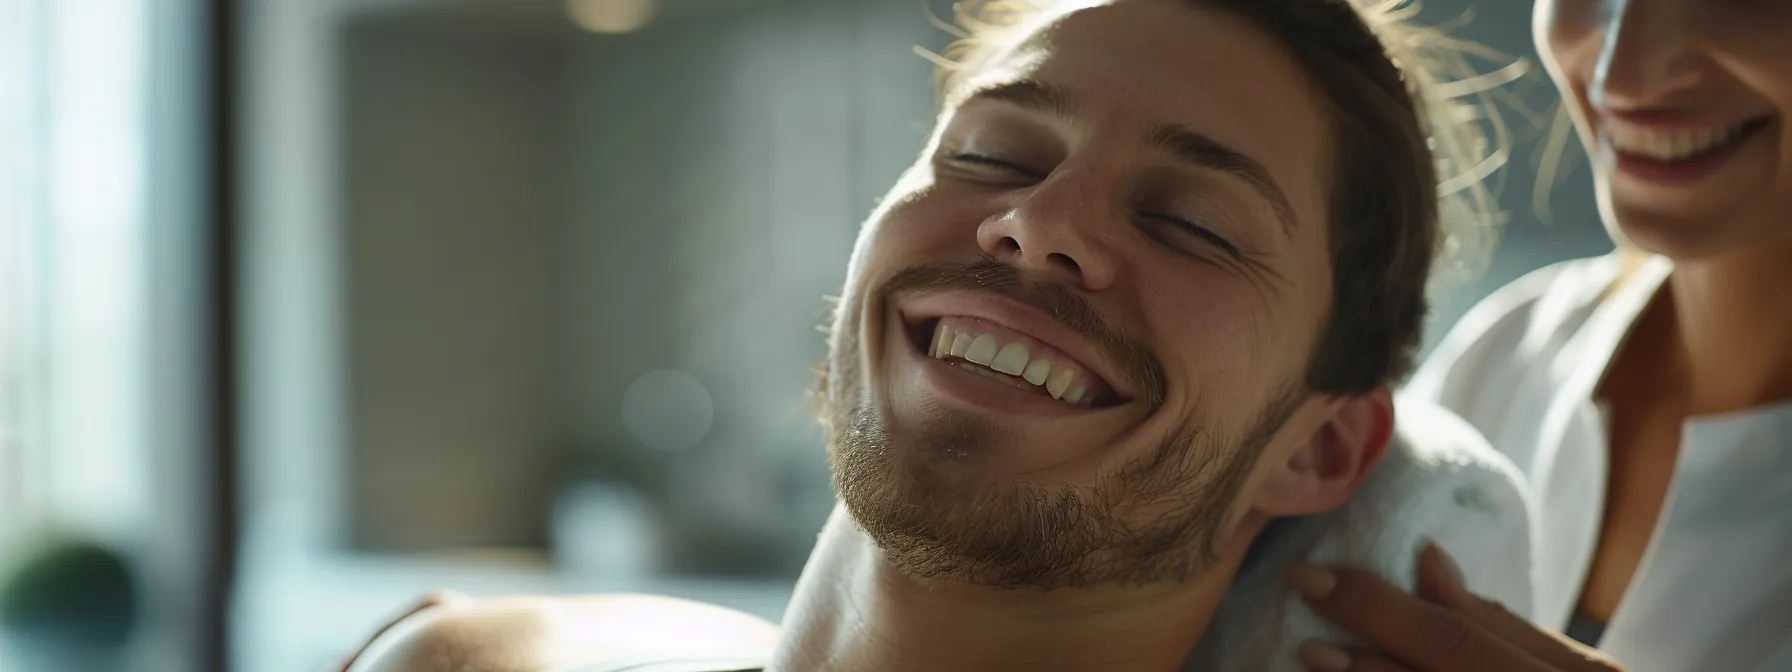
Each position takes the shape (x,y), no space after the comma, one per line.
(922,500)
(923,490)
(1005,536)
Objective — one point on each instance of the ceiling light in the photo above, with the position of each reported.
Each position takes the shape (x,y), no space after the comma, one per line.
(610,16)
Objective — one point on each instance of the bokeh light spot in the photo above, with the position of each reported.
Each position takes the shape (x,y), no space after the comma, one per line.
(667,410)
(610,16)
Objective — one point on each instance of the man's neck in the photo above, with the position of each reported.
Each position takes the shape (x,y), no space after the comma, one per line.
(1733,318)
(853,610)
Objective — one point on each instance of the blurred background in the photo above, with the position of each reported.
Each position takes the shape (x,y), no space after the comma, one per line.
(310,306)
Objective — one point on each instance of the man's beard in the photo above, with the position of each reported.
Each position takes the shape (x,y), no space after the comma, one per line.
(1157,518)
(914,493)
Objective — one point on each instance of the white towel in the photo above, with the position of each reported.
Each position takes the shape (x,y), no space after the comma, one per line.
(1439,482)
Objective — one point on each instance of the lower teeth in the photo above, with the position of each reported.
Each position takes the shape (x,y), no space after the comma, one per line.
(999,377)
(986,373)
(1012,381)
(1666,156)
(1698,154)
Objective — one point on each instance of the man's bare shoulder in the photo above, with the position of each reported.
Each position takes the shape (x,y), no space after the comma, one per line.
(538,634)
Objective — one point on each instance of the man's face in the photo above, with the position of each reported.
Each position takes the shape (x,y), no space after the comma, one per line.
(1079,322)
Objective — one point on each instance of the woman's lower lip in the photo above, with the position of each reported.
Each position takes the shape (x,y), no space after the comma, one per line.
(1678,173)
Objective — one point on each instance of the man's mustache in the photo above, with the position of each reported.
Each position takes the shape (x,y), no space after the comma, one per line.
(1135,362)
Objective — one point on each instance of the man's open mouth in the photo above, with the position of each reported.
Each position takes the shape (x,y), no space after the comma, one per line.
(1016,359)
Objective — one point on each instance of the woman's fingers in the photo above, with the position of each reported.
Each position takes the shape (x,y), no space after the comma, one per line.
(1424,636)
(1441,583)
(1445,628)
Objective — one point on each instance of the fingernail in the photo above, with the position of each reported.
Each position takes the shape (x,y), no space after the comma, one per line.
(1449,564)
(1324,657)
(1313,582)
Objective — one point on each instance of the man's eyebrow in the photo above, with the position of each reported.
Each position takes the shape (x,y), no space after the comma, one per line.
(1029,94)
(1201,150)
(1184,143)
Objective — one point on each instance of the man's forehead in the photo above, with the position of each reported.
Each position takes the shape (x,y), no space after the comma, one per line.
(1173,72)
(1155,57)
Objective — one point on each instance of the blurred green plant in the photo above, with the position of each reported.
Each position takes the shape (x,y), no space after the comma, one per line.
(69,592)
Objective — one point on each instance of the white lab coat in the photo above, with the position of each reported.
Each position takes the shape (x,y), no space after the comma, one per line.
(1714,590)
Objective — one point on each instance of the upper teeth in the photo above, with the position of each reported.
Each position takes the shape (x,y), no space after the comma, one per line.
(1668,145)
(1060,379)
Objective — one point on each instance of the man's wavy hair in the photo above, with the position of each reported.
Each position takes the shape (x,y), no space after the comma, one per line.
(1411,122)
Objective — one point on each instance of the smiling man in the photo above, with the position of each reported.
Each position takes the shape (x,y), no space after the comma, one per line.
(1143,293)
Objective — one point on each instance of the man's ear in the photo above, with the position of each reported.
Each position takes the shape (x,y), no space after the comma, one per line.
(1327,467)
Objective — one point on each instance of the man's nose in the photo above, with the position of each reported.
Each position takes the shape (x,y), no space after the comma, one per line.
(1066,229)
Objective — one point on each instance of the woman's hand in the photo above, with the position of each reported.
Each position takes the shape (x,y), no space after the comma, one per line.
(1444,629)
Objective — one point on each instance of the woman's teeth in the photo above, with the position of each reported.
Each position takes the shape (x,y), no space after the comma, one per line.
(1012,364)
(1670,145)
